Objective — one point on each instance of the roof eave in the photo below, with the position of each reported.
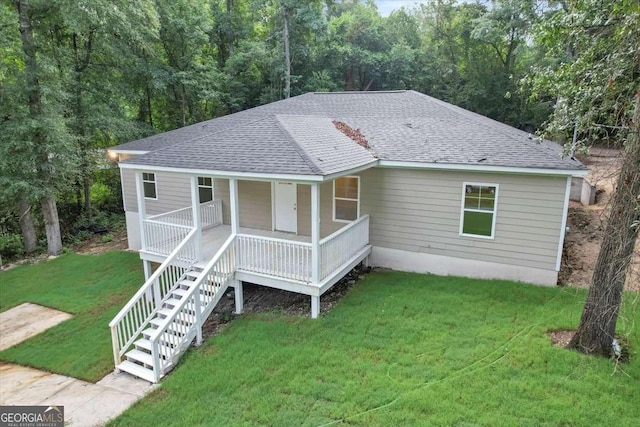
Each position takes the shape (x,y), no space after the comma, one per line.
(255,176)
(482,168)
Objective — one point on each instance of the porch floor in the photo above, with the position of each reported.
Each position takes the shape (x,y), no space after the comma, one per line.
(214,238)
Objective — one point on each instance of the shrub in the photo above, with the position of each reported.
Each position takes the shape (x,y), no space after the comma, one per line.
(11,246)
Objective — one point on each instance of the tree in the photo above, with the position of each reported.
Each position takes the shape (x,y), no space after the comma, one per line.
(596,77)
(46,138)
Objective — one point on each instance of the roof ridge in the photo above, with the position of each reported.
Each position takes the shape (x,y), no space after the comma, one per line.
(299,149)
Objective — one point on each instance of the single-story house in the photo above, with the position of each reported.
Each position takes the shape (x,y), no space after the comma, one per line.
(295,193)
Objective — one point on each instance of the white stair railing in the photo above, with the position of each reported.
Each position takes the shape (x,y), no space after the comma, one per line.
(337,248)
(178,329)
(142,307)
(275,257)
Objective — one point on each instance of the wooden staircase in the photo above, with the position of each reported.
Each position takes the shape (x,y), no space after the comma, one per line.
(165,316)
(139,360)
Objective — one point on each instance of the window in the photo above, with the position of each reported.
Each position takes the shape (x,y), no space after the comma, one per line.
(205,189)
(346,198)
(479,202)
(149,185)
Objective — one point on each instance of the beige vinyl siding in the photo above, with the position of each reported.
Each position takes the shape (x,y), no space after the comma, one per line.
(419,211)
(221,192)
(173,192)
(254,200)
(327,225)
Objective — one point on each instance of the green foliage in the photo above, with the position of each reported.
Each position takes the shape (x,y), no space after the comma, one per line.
(401,349)
(10,246)
(90,287)
(594,75)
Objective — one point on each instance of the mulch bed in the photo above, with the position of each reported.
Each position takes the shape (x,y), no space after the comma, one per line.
(261,299)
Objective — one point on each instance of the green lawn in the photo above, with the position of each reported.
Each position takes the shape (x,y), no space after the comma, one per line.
(91,287)
(402,349)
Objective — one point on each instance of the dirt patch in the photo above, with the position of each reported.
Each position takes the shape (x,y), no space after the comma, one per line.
(260,299)
(561,337)
(100,243)
(586,224)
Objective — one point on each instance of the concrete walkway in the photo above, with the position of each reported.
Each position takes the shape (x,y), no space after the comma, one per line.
(25,321)
(85,404)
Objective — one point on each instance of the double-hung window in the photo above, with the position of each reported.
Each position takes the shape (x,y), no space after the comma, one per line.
(479,207)
(205,189)
(346,199)
(149,185)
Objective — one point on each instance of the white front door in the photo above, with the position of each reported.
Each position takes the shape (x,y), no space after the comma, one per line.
(286,207)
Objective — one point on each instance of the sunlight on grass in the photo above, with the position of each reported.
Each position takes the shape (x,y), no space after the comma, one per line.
(401,349)
(91,287)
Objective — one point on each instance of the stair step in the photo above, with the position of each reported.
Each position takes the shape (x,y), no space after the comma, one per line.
(181,292)
(164,312)
(139,356)
(173,302)
(137,370)
(190,318)
(193,273)
(199,265)
(185,284)
(143,343)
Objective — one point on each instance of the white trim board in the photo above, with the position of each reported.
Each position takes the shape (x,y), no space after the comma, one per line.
(563,225)
(450,266)
(253,176)
(478,168)
(377,163)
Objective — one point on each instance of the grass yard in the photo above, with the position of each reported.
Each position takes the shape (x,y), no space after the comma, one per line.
(403,349)
(91,287)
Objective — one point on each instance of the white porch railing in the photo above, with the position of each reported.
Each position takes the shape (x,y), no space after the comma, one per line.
(275,257)
(339,247)
(177,330)
(136,314)
(162,238)
(210,215)
(162,233)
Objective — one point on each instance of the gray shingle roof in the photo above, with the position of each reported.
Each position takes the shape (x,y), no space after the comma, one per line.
(297,136)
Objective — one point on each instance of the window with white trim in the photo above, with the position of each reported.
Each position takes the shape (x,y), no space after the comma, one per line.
(149,185)
(205,189)
(346,198)
(479,207)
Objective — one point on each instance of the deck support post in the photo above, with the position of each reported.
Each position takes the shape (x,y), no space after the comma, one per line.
(146,266)
(239,296)
(235,217)
(142,214)
(315,234)
(197,223)
(315,306)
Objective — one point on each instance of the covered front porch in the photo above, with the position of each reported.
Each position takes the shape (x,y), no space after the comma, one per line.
(303,262)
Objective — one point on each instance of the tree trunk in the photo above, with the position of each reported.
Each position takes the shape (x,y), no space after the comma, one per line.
(29,238)
(29,47)
(51,224)
(597,327)
(230,35)
(287,55)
